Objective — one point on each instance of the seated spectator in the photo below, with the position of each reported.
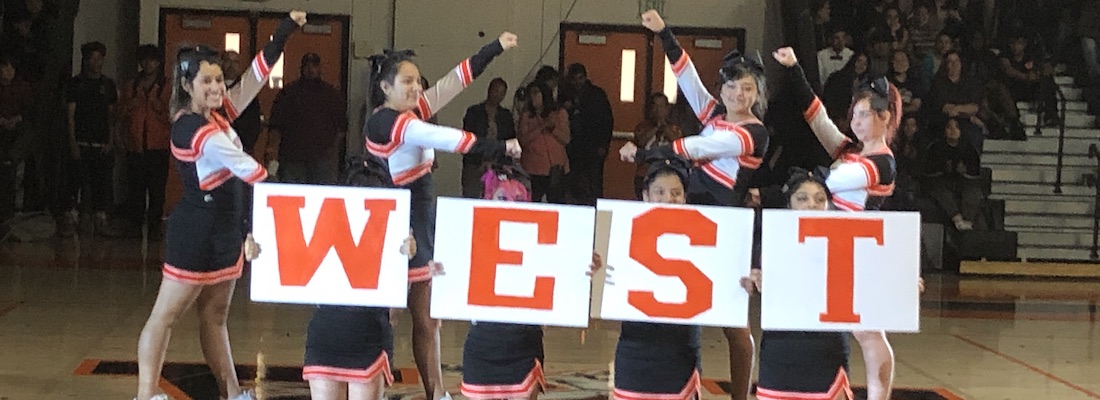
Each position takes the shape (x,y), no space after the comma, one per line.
(911,85)
(893,30)
(1031,79)
(837,95)
(947,12)
(879,54)
(955,95)
(923,31)
(951,174)
(933,61)
(907,148)
(1000,114)
(656,130)
(833,58)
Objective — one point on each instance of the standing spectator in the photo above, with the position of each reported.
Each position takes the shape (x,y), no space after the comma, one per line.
(249,123)
(16,105)
(1089,30)
(834,57)
(951,175)
(91,98)
(543,134)
(590,125)
(22,46)
(144,103)
(308,121)
(1031,79)
(657,129)
(486,120)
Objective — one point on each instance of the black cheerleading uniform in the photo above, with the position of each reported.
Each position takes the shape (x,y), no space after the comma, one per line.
(204,238)
(501,361)
(345,343)
(409,143)
(723,151)
(657,362)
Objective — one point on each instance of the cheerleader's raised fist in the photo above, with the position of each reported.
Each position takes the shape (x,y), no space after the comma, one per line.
(512,148)
(298,16)
(785,56)
(628,152)
(652,20)
(508,40)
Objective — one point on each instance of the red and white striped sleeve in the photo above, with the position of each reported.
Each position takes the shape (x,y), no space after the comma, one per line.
(219,148)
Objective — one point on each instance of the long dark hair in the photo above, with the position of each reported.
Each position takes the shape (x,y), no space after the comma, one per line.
(188,60)
(383,67)
(801,177)
(658,165)
(548,104)
(736,66)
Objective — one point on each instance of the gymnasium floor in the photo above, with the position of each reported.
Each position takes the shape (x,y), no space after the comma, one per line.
(71,311)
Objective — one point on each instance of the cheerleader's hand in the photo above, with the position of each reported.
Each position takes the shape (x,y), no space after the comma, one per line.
(298,16)
(920,285)
(512,148)
(594,267)
(408,248)
(435,269)
(628,152)
(251,248)
(786,57)
(652,20)
(752,283)
(508,40)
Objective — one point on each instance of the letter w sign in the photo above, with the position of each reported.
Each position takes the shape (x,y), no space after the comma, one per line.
(330,245)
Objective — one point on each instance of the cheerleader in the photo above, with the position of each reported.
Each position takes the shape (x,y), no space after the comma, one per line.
(659,361)
(802,365)
(397,132)
(861,178)
(349,350)
(205,245)
(732,142)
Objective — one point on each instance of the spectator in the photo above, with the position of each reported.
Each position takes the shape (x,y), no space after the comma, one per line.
(932,62)
(1000,114)
(1031,79)
(835,57)
(840,86)
(16,106)
(957,96)
(543,133)
(924,29)
(308,122)
(22,46)
(947,12)
(911,85)
(590,126)
(894,29)
(249,123)
(879,57)
(951,173)
(144,105)
(657,129)
(91,98)
(486,120)
(1089,30)
(907,147)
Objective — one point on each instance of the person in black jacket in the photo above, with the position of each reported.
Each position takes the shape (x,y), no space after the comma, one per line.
(590,123)
(485,120)
(951,173)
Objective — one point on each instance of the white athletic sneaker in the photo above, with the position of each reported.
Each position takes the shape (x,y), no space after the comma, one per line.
(245,395)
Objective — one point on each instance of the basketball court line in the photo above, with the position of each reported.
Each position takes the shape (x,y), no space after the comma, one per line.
(1029,367)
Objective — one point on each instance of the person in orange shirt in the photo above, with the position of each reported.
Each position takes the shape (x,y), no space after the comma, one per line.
(145,134)
(544,132)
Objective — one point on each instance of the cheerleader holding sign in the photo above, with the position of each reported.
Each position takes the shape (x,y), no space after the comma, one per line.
(397,131)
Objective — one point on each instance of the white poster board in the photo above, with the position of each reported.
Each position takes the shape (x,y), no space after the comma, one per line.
(330,245)
(840,271)
(512,262)
(676,264)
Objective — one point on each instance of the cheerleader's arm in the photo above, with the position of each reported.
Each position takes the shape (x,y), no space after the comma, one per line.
(430,136)
(450,85)
(229,156)
(257,74)
(813,110)
(687,78)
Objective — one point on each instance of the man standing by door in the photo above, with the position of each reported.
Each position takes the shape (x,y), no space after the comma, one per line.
(144,102)
(590,124)
(91,98)
(487,120)
(308,121)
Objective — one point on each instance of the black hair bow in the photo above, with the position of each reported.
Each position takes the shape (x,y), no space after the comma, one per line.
(880,86)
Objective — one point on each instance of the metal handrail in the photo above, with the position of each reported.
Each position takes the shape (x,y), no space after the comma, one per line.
(1061,137)
(1094,153)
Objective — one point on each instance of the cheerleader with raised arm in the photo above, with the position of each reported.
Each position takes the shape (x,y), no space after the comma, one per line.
(205,245)
(732,143)
(396,131)
(861,178)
